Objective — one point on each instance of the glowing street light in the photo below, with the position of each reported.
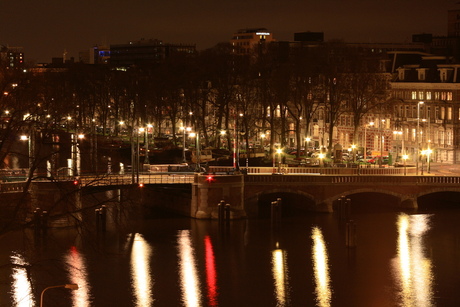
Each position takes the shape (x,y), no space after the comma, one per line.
(67,286)
(428,154)
(417,133)
(321,162)
(184,130)
(405,157)
(279,152)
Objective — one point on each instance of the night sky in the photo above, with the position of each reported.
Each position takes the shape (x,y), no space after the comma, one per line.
(46,27)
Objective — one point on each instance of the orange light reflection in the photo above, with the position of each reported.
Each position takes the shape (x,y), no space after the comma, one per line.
(78,274)
(142,282)
(321,269)
(21,288)
(190,284)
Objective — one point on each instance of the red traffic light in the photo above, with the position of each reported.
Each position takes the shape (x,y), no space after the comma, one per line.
(210,178)
(75,182)
(141,185)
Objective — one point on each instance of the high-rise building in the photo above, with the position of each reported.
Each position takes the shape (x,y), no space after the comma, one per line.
(12,57)
(246,41)
(146,52)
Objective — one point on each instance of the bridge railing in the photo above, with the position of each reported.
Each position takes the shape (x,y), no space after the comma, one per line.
(11,187)
(364,179)
(145,178)
(319,170)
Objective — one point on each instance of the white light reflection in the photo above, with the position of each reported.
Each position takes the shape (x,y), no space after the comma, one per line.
(280,277)
(412,269)
(140,271)
(321,269)
(190,284)
(78,274)
(21,288)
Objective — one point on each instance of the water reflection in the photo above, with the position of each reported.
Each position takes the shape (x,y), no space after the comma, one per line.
(142,282)
(412,269)
(321,269)
(280,276)
(190,284)
(21,288)
(78,274)
(211,273)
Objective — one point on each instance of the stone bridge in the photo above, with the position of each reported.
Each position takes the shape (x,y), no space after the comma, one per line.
(244,192)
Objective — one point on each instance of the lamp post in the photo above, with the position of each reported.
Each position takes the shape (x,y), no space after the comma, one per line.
(279,151)
(197,149)
(381,128)
(365,140)
(417,136)
(146,158)
(423,152)
(184,129)
(405,158)
(428,154)
(307,144)
(321,164)
(353,148)
(29,149)
(67,286)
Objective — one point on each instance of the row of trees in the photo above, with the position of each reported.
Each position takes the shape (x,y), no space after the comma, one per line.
(275,91)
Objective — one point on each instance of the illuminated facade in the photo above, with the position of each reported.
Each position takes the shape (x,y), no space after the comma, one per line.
(246,41)
(13,57)
(426,107)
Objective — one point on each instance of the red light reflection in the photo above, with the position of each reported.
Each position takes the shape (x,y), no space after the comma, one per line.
(211,273)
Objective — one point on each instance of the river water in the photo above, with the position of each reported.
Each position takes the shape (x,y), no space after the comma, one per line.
(399,259)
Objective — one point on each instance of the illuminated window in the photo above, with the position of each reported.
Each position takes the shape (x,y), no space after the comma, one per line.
(449,96)
(428,95)
(414,95)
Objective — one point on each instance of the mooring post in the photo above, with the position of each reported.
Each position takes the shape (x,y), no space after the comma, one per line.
(347,208)
(227,212)
(37,221)
(350,234)
(220,210)
(44,223)
(96,211)
(103,212)
(279,208)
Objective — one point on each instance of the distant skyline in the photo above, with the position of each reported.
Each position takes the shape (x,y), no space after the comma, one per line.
(45,28)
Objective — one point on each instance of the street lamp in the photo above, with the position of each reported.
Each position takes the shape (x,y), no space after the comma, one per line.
(279,151)
(405,158)
(146,158)
(353,147)
(423,152)
(29,148)
(67,286)
(321,163)
(365,140)
(197,149)
(417,135)
(307,144)
(184,129)
(396,133)
(428,154)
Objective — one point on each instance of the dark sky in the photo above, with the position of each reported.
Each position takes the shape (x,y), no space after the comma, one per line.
(46,27)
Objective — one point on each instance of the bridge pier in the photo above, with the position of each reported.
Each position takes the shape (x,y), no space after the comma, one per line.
(409,202)
(324,206)
(209,190)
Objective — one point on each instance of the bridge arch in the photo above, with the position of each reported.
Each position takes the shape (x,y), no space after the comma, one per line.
(293,200)
(400,200)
